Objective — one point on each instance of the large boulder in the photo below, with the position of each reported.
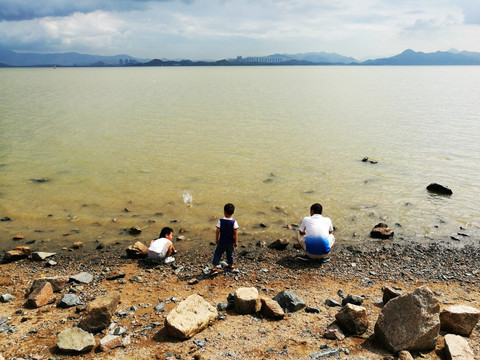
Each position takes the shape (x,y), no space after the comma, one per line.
(409,322)
(99,312)
(459,319)
(189,317)
(75,340)
(247,300)
(353,319)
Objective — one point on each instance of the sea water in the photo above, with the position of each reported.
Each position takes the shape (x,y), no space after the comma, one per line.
(87,153)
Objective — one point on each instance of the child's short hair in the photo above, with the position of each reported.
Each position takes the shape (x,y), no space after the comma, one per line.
(316,208)
(229,209)
(165,231)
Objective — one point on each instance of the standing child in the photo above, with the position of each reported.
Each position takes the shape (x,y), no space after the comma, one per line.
(226,238)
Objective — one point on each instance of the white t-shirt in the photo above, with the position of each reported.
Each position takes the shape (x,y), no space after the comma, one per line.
(160,246)
(316,226)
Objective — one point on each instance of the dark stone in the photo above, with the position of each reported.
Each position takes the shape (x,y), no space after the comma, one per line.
(352,299)
(289,301)
(5,218)
(40,180)
(279,244)
(134,230)
(439,189)
(381,231)
(332,303)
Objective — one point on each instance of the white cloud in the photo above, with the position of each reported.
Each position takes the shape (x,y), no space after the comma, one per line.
(214,29)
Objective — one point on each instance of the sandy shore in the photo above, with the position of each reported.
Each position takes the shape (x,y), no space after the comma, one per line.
(453,275)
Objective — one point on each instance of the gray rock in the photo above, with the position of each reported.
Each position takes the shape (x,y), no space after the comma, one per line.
(40,255)
(190,317)
(332,303)
(223,306)
(352,299)
(75,340)
(6,298)
(119,330)
(160,307)
(409,322)
(82,278)
(289,301)
(325,353)
(69,300)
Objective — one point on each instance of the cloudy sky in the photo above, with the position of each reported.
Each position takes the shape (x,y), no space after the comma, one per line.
(218,29)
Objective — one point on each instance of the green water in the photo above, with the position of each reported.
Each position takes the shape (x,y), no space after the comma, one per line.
(272,140)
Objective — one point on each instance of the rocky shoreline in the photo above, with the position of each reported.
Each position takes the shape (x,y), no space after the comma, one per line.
(148,292)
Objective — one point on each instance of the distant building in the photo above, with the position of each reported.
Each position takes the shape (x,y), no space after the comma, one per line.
(260,60)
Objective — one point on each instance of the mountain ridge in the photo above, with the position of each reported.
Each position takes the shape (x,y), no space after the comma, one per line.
(9,58)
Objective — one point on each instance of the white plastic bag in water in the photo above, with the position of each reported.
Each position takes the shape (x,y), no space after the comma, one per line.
(187,198)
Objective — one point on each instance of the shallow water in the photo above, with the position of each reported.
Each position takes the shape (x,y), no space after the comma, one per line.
(119,147)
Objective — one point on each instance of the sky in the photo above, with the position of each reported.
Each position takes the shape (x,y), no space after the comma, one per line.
(220,29)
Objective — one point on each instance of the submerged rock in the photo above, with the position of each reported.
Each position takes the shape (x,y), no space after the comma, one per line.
(381,231)
(439,189)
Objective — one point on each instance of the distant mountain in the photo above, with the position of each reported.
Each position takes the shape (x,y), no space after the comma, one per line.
(12,58)
(410,57)
(319,57)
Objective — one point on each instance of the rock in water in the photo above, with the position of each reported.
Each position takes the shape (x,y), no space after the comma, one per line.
(76,340)
(439,189)
(409,322)
(190,317)
(381,231)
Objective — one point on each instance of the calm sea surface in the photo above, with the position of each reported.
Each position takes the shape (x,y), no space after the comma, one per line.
(120,147)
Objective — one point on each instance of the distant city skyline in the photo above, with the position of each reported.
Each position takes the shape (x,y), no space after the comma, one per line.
(218,29)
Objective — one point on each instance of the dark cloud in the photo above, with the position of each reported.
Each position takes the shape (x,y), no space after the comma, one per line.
(17,10)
